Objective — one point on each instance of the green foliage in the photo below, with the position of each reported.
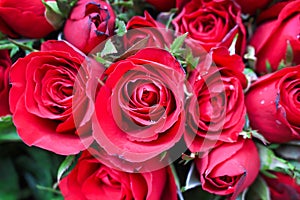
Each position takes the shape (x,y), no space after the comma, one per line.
(7,130)
(258,190)
(26,170)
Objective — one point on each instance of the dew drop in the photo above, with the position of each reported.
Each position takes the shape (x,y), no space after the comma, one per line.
(231,87)
(262,102)
(298,36)
(278,122)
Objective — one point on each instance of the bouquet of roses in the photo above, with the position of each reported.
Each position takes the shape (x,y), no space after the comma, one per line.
(149,100)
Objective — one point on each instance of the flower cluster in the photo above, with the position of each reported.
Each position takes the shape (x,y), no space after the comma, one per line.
(157,99)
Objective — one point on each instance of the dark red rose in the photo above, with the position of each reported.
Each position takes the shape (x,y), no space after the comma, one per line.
(43,100)
(211,24)
(160,5)
(229,168)
(24,18)
(5,64)
(279,26)
(283,187)
(141,27)
(273,105)
(90,179)
(89,24)
(215,109)
(140,108)
(252,6)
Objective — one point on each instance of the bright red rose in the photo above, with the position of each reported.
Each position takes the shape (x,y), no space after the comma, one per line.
(211,25)
(5,64)
(229,168)
(140,107)
(273,105)
(141,27)
(43,100)
(279,26)
(215,109)
(251,6)
(160,5)
(89,24)
(283,187)
(24,18)
(90,179)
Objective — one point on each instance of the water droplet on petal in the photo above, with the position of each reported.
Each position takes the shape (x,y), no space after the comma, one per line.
(262,102)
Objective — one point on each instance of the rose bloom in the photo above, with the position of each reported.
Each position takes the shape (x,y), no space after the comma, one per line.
(24,18)
(89,24)
(43,100)
(5,64)
(140,107)
(90,179)
(141,27)
(161,6)
(215,109)
(229,168)
(210,24)
(273,105)
(278,26)
(251,6)
(283,187)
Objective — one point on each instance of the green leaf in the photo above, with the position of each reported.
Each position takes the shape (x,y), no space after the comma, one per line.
(259,136)
(268,67)
(120,27)
(65,6)
(109,48)
(9,184)
(65,165)
(177,43)
(258,190)
(269,161)
(192,180)
(53,14)
(251,77)
(289,55)
(8,131)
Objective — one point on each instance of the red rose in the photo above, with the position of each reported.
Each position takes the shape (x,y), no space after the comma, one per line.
(24,18)
(273,105)
(160,5)
(283,187)
(90,179)
(140,27)
(211,25)
(42,101)
(229,168)
(140,109)
(89,24)
(216,110)
(280,25)
(251,6)
(5,64)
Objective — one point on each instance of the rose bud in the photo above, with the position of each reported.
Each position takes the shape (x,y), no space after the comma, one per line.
(26,18)
(141,27)
(89,24)
(251,6)
(48,97)
(5,64)
(215,109)
(140,107)
(276,30)
(90,179)
(210,24)
(283,187)
(273,103)
(161,6)
(229,168)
